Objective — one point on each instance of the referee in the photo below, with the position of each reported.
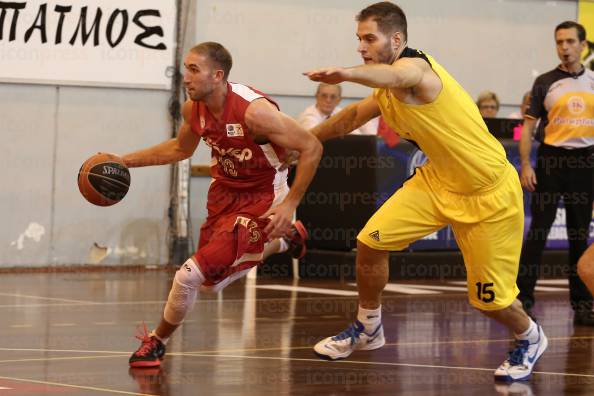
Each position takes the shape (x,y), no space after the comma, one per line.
(563,100)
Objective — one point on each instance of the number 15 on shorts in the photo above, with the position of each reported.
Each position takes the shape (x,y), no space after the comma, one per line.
(484,292)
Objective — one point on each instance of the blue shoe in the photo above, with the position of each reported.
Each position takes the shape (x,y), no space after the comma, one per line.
(353,338)
(518,367)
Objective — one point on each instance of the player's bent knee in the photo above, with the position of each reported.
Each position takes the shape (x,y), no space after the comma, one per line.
(214,289)
(362,246)
(489,313)
(498,310)
(366,251)
(189,275)
(183,292)
(494,313)
(585,268)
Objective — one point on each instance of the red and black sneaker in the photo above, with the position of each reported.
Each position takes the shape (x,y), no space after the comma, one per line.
(150,353)
(295,238)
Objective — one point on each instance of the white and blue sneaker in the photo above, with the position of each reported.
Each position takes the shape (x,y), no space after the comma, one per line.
(353,338)
(518,367)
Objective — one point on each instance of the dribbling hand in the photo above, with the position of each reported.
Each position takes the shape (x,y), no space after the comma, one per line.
(290,159)
(281,217)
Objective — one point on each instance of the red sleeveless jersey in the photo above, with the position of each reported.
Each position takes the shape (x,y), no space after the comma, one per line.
(238,161)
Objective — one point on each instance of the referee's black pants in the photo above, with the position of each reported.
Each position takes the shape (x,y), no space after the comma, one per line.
(567,174)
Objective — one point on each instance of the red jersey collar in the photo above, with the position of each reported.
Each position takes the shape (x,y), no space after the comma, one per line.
(205,114)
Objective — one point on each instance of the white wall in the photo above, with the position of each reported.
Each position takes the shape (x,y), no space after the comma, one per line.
(486,44)
(47,132)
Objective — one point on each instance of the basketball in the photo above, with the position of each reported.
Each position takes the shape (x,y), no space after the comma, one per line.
(103,179)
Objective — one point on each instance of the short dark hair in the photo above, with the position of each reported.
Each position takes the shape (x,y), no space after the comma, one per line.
(388,16)
(581,31)
(217,54)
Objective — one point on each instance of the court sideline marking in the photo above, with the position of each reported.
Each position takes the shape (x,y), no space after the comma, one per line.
(368,363)
(304,289)
(68,300)
(59,358)
(392,344)
(379,364)
(388,344)
(73,386)
(82,303)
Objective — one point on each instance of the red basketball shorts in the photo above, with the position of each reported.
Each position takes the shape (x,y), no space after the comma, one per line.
(232,237)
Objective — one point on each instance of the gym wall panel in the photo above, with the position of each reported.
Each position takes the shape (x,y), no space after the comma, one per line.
(486,44)
(134,229)
(27,128)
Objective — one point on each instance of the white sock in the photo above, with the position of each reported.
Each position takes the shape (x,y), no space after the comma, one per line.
(154,334)
(371,318)
(283,245)
(531,334)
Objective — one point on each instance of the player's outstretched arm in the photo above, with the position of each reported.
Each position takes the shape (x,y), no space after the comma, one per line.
(404,73)
(265,120)
(172,150)
(347,120)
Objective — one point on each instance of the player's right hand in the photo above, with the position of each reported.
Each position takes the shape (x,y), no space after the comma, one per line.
(528,178)
(328,75)
(281,217)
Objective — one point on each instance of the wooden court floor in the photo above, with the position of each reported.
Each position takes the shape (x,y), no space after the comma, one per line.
(72,334)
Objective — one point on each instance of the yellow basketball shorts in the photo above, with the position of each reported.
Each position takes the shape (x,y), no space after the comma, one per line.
(488,227)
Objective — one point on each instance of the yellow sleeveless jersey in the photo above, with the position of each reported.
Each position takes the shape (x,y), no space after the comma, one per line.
(463,156)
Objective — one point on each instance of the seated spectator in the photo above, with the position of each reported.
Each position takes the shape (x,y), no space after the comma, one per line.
(488,104)
(328,97)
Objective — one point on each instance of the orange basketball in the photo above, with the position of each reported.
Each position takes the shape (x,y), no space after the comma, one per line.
(103,179)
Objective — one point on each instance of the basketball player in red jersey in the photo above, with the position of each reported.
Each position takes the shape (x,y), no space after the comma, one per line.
(249,204)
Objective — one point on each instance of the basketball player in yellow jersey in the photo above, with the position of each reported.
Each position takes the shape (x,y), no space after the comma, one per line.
(467,183)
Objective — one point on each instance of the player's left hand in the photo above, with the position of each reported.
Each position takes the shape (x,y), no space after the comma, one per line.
(329,75)
(290,159)
(281,218)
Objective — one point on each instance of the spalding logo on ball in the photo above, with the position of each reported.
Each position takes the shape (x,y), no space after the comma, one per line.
(103,179)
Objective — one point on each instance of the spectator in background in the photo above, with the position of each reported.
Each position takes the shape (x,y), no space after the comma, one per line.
(488,104)
(328,96)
